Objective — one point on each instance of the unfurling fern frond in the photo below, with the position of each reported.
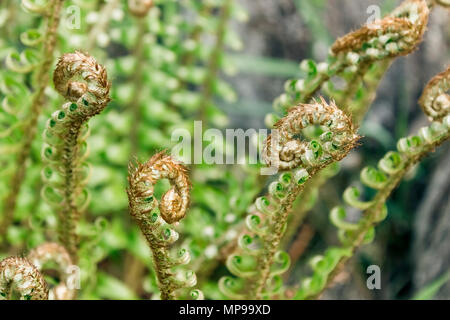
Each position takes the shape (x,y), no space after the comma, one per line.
(156,225)
(359,59)
(19,275)
(83,82)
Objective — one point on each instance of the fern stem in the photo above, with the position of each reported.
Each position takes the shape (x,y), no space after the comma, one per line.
(65,135)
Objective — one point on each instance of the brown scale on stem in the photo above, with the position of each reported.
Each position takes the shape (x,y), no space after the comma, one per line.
(142,179)
(19,275)
(409,33)
(174,203)
(435,99)
(37,103)
(140,8)
(285,151)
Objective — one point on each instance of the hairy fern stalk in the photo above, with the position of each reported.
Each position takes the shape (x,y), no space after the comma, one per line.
(156,227)
(52,10)
(24,275)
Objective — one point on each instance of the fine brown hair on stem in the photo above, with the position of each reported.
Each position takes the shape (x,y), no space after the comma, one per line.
(54,254)
(37,103)
(142,179)
(174,203)
(139,8)
(435,100)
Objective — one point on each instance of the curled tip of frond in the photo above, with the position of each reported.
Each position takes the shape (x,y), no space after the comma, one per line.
(24,277)
(139,8)
(435,99)
(443,3)
(285,151)
(78,77)
(143,177)
(41,7)
(55,254)
(397,34)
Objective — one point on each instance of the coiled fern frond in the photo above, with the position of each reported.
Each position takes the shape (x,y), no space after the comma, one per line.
(54,255)
(360,59)
(26,62)
(83,82)
(156,225)
(392,168)
(259,264)
(19,275)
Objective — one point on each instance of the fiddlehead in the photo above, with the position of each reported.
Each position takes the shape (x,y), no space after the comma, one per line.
(260,264)
(214,60)
(139,8)
(435,99)
(53,254)
(392,168)
(155,226)
(287,152)
(83,82)
(18,274)
(355,54)
(52,8)
(361,59)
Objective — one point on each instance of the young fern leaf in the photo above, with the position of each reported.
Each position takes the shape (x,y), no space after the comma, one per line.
(84,84)
(309,199)
(213,64)
(19,275)
(392,168)
(259,264)
(51,8)
(367,50)
(155,226)
(361,58)
(54,254)
(139,8)
(435,99)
